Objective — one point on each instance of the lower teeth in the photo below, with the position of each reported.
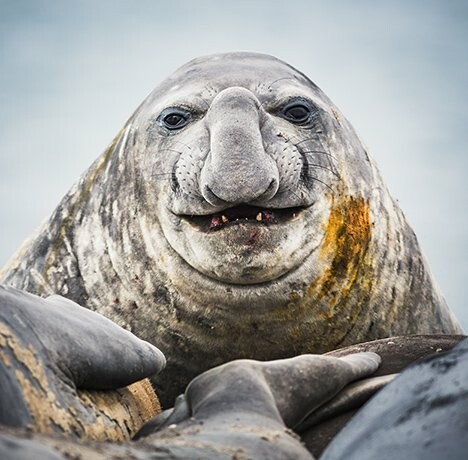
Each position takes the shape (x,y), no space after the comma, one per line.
(219,221)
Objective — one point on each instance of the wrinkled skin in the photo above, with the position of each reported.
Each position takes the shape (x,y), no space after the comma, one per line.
(149,238)
(239,409)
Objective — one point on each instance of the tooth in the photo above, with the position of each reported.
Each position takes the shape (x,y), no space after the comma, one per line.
(224,219)
(294,214)
(259,217)
(215,222)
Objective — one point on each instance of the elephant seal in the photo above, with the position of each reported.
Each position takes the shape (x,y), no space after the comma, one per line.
(236,215)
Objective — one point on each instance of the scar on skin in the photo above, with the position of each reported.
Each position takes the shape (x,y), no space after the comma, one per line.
(336,115)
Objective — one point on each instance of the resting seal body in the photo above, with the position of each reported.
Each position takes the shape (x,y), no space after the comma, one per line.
(236,215)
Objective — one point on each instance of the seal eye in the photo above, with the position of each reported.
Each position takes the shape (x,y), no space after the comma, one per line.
(174,119)
(297,113)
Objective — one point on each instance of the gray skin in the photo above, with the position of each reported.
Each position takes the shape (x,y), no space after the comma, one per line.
(244,409)
(324,260)
(238,410)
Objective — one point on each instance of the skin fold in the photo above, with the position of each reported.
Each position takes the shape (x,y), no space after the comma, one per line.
(422,414)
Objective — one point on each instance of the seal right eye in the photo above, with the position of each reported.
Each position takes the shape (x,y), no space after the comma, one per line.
(297,112)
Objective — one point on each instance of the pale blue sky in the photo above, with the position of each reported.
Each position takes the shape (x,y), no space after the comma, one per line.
(73,71)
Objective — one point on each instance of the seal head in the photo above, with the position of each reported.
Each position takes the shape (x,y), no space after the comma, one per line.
(236,215)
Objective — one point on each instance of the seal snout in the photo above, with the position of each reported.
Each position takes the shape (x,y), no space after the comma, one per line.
(237,170)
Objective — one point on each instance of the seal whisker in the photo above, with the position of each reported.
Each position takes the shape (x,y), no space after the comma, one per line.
(311,179)
(170,150)
(306,140)
(321,152)
(310,138)
(163,174)
(290,191)
(205,101)
(279,79)
(327,169)
(328,155)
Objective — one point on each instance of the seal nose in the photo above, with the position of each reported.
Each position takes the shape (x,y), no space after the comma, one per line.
(237,170)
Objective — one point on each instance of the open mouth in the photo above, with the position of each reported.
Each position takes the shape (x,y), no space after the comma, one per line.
(243,214)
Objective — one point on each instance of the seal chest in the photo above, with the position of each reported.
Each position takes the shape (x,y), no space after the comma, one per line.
(236,215)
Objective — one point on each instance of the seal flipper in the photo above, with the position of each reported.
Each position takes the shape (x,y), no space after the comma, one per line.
(51,349)
(97,353)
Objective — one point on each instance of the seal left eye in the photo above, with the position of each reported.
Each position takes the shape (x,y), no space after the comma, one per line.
(175,119)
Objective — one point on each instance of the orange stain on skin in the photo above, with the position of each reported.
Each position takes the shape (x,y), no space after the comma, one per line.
(320,318)
(347,237)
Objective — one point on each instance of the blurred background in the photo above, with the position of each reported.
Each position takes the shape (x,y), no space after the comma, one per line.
(72,72)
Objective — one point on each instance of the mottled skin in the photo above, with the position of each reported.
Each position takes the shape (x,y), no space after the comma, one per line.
(345,268)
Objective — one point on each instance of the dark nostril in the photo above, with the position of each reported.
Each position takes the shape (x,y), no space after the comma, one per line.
(270,192)
(211,197)
(272,188)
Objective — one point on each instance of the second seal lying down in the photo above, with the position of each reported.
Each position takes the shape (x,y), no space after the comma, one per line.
(236,215)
